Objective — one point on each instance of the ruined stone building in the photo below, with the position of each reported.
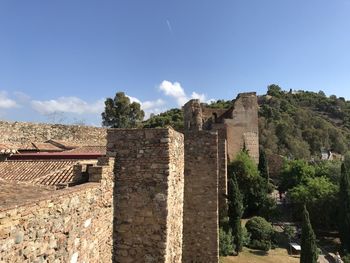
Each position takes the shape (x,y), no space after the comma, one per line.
(83,194)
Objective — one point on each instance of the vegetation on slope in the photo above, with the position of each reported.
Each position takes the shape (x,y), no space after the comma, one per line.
(301,124)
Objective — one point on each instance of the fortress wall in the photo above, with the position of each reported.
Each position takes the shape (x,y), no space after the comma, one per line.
(68,225)
(22,132)
(222,152)
(242,127)
(148,195)
(200,230)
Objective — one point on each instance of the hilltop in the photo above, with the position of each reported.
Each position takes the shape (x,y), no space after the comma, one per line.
(301,124)
(298,124)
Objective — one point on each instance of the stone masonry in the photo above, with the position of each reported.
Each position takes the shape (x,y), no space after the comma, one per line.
(237,128)
(201,242)
(156,197)
(149,188)
(68,225)
(22,132)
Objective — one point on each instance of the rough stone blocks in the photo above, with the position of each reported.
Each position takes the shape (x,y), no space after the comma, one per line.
(148,196)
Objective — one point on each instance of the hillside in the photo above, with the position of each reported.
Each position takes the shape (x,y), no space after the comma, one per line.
(301,124)
(297,124)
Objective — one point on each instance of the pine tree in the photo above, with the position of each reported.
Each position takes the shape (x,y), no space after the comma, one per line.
(263,165)
(344,201)
(120,112)
(235,211)
(308,241)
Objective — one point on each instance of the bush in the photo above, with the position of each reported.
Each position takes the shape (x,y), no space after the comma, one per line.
(225,242)
(346,259)
(261,233)
(263,245)
(245,237)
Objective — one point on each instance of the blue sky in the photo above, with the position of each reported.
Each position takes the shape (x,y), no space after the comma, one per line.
(60,59)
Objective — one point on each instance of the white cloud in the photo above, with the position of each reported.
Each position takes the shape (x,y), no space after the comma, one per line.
(176,91)
(149,107)
(21,97)
(68,105)
(6,102)
(198,96)
(133,99)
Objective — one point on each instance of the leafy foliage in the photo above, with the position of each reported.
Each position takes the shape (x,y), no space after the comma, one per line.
(294,173)
(172,117)
(260,232)
(344,200)
(263,166)
(220,104)
(320,196)
(308,241)
(121,113)
(235,211)
(226,246)
(301,124)
(251,184)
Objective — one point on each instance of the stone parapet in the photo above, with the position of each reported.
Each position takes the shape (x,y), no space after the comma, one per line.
(68,225)
(23,132)
(149,185)
(201,215)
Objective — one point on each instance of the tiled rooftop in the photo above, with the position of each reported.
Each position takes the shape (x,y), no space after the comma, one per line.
(12,193)
(44,146)
(28,171)
(61,176)
(89,149)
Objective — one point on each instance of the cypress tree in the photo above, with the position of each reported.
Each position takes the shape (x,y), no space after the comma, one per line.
(344,213)
(308,241)
(235,211)
(263,165)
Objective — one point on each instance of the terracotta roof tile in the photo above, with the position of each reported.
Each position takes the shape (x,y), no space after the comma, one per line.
(61,176)
(89,149)
(43,146)
(28,171)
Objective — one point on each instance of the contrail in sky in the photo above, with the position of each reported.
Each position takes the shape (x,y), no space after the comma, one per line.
(169,26)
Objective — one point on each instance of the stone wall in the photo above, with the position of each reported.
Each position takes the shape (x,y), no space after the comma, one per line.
(242,126)
(200,233)
(22,132)
(148,194)
(70,225)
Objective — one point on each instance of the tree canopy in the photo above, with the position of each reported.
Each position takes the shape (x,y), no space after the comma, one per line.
(300,124)
(308,241)
(121,113)
(344,200)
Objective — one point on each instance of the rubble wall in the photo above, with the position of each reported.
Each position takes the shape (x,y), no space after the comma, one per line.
(149,185)
(200,230)
(22,132)
(70,225)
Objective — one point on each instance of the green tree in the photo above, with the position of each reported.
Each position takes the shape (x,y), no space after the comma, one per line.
(274,90)
(294,173)
(263,165)
(251,184)
(344,201)
(308,241)
(226,246)
(320,196)
(261,233)
(235,211)
(121,113)
(173,117)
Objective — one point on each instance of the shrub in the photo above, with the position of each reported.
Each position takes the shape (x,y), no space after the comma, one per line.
(245,237)
(261,233)
(346,259)
(263,245)
(225,242)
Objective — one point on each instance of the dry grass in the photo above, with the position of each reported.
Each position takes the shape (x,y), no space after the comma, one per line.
(255,256)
